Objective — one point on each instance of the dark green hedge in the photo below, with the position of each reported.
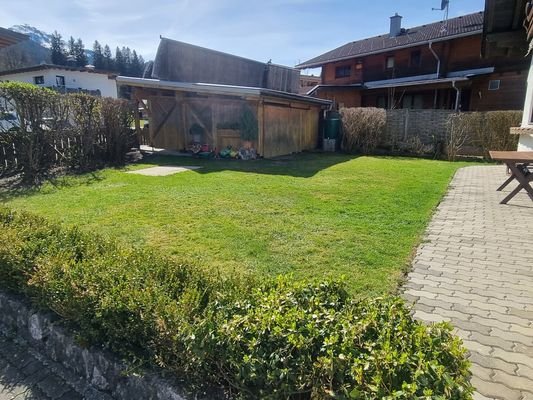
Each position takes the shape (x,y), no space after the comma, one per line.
(52,130)
(272,338)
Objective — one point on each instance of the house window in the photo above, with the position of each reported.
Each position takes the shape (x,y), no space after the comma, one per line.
(38,80)
(381,102)
(389,64)
(413,101)
(494,84)
(359,65)
(60,80)
(343,72)
(415,58)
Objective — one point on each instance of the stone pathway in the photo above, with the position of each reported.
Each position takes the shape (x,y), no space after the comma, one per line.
(475,269)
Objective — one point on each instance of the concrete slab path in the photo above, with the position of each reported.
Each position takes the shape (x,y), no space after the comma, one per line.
(475,269)
(163,170)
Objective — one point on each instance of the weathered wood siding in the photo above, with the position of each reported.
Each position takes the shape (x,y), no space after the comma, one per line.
(289,129)
(284,127)
(166,123)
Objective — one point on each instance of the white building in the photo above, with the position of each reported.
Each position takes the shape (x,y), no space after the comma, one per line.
(65,79)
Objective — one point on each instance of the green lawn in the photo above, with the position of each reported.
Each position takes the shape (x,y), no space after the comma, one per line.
(312,215)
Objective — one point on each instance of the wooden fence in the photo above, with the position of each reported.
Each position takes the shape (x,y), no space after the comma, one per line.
(61,149)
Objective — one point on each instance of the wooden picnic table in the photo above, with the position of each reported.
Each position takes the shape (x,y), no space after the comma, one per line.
(517,162)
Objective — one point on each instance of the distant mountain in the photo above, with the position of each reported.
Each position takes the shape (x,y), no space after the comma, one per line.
(36,35)
(42,38)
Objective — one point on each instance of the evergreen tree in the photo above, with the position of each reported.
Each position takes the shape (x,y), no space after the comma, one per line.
(136,68)
(119,61)
(98,56)
(126,55)
(108,59)
(57,46)
(71,47)
(81,57)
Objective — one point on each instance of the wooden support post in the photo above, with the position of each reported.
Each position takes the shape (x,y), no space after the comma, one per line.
(261,128)
(137,121)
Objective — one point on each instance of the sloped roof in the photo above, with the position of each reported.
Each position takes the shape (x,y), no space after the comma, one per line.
(465,25)
(42,67)
(212,88)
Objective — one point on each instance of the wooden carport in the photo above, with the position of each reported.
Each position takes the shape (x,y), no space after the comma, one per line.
(287,123)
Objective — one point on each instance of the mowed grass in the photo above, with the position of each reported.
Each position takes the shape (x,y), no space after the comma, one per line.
(311,215)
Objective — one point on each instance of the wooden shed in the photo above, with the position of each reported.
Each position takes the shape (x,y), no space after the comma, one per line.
(181,114)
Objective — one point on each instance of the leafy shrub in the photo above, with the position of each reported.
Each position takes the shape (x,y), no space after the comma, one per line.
(362,128)
(261,338)
(73,131)
(29,136)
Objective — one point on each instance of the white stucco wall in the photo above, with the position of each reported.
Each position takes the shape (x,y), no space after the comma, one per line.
(525,142)
(73,80)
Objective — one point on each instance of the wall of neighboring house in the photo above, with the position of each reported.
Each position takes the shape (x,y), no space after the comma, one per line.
(498,91)
(73,80)
(459,54)
(341,97)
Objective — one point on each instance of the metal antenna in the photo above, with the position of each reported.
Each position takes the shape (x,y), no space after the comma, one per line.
(444,6)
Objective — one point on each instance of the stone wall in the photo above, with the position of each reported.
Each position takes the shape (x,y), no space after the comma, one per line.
(420,130)
(107,376)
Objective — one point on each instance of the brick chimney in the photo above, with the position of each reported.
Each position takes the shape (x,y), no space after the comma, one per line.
(395,25)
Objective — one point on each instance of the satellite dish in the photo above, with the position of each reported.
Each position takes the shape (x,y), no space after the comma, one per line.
(443,5)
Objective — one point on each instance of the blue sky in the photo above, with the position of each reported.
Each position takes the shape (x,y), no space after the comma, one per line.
(286,31)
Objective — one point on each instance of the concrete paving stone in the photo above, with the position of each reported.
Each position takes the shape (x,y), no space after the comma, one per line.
(413,285)
(523,370)
(512,336)
(434,303)
(420,293)
(513,381)
(425,308)
(482,372)
(453,300)
(409,299)
(495,390)
(471,326)
(524,330)
(528,315)
(474,256)
(512,357)
(493,363)
(479,396)
(527,396)
(427,317)
(523,349)
(454,315)
(511,319)
(492,341)
(479,348)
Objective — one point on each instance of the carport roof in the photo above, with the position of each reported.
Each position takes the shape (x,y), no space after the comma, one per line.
(210,88)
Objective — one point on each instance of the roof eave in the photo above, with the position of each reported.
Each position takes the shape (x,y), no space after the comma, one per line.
(451,37)
(209,88)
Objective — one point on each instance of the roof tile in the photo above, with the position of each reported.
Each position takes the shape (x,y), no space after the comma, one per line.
(471,23)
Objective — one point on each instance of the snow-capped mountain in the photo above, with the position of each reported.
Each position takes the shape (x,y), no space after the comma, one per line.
(42,38)
(36,35)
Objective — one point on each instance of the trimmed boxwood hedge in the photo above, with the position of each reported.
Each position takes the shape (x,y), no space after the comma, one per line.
(260,338)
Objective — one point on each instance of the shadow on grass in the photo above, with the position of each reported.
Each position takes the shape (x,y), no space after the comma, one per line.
(13,187)
(302,165)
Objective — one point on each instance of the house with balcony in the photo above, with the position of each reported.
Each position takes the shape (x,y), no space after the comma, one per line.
(432,66)
(65,79)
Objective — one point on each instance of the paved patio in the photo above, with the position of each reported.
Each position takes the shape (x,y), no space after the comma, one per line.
(475,269)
